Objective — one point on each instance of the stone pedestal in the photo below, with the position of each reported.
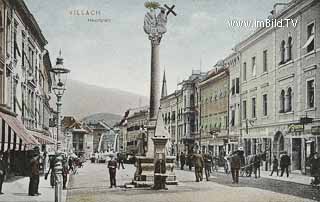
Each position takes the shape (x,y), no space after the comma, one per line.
(144,175)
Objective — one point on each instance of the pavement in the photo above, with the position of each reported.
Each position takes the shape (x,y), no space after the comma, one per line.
(92,185)
(293,176)
(16,190)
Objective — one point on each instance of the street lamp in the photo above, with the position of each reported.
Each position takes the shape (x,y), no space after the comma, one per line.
(60,73)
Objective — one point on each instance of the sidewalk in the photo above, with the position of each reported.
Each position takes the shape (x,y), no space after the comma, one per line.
(17,191)
(293,177)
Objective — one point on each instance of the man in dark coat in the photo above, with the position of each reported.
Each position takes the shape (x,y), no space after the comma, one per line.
(112,165)
(284,164)
(52,162)
(315,168)
(198,165)
(275,165)
(120,157)
(34,176)
(207,165)
(256,165)
(3,169)
(182,160)
(235,164)
(65,172)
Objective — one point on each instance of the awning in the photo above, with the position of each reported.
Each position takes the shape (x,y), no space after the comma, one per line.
(41,138)
(17,128)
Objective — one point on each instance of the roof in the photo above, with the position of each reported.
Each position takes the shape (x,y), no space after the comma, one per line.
(29,19)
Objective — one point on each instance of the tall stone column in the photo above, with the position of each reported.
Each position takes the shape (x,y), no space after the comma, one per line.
(155,78)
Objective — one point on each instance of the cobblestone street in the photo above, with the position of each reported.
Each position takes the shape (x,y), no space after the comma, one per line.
(92,185)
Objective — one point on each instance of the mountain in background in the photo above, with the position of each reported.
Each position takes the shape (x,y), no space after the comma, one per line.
(110,119)
(81,100)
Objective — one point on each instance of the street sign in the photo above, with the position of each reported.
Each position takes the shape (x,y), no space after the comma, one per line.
(295,127)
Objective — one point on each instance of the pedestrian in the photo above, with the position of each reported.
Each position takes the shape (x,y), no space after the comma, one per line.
(120,158)
(70,162)
(112,165)
(189,161)
(226,164)
(198,165)
(256,165)
(315,168)
(35,174)
(211,161)
(284,164)
(65,172)
(52,169)
(3,169)
(207,165)
(182,160)
(235,164)
(275,165)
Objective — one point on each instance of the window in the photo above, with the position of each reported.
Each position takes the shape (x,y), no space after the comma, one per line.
(289,56)
(233,87)
(310,93)
(310,35)
(233,115)
(237,85)
(289,100)
(23,53)
(265,104)
(265,58)
(15,44)
(244,71)
(282,101)
(253,66)
(282,51)
(244,107)
(254,114)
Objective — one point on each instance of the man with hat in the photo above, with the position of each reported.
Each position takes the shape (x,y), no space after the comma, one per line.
(112,165)
(35,173)
(284,164)
(235,164)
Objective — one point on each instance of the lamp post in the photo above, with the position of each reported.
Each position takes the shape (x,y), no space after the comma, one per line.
(60,78)
(60,73)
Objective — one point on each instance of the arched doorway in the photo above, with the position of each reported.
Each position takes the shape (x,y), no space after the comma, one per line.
(278,144)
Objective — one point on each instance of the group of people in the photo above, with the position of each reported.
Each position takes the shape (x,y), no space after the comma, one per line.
(201,162)
(285,162)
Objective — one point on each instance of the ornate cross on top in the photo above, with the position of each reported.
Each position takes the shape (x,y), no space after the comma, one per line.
(155,22)
(170,9)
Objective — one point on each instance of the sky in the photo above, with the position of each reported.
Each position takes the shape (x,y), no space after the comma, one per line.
(116,53)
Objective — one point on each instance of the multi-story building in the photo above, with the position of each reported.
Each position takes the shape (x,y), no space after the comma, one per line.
(25,84)
(214,99)
(232,63)
(137,122)
(279,72)
(79,137)
(169,114)
(190,110)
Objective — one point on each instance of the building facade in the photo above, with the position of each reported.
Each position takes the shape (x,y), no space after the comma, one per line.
(214,100)
(279,72)
(232,63)
(136,125)
(25,85)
